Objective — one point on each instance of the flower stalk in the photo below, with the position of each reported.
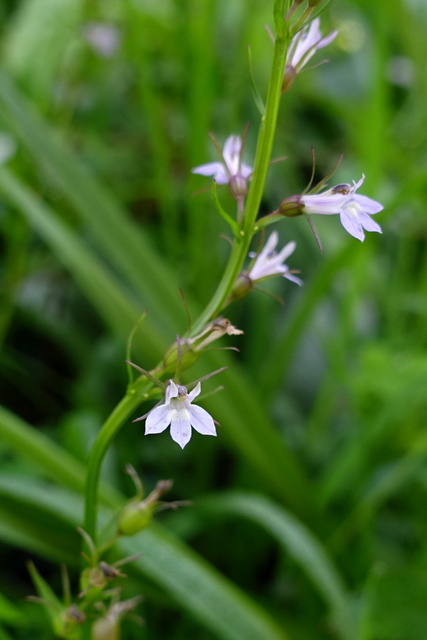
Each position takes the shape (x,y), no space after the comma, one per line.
(262,160)
(143,388)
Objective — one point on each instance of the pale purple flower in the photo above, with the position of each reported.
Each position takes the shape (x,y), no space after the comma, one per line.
(104,38)
(232,165)
(305,44)
(180,414)
(354,210)
(268,263)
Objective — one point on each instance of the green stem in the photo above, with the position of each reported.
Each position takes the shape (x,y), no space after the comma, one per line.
(262,161)
(119,415)
(238,254)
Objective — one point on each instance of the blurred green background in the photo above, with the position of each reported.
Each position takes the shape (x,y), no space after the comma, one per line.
(309,508)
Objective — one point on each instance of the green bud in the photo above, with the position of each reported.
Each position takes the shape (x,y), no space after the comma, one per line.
(186,354)
(291,207)
(135,517)
(241,288)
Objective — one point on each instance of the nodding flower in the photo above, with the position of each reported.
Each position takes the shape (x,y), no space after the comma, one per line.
(302,48)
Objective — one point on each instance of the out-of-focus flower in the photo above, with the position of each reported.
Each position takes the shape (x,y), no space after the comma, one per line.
(354,209)
(108,626)
(178,412)
(231,170)
(103,37)
(302,48)
(268,263)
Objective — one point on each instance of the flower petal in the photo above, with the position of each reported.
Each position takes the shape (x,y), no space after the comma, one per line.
(292,278)
(195,392)
(327,40)
(367,222)
(231,154)
(271,243)
(325,203)
(246,171)
(287,250)
(352,225)
(215,169)
(158,419)
(181,427)
(171,392)
(368,204)
(201,421)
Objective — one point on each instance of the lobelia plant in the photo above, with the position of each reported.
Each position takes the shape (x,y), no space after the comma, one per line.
(98,610)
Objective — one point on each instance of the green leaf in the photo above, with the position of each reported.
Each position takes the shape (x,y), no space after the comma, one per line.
(188,579)
(53,461)
(100,285)
(395,604)
(123,243)
(9,613)
(46,593)
(197,586)
(300,543)
(37,39)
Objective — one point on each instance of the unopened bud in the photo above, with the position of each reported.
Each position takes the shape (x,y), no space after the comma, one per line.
(73,616)
(136,516)
(184,352)
(291,207)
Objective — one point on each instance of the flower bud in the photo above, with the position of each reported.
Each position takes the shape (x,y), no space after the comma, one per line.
(69,620)
(185,353)
(136,516)
(291,207)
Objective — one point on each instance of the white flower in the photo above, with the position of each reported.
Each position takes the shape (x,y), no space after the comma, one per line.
(231,166)
(180,414)
(305,44)
(269,263)
(354,210)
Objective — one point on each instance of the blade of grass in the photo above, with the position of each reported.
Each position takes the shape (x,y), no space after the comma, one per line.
(300,543)
(123,243)
(189,580)
(54,462)
(100,286)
